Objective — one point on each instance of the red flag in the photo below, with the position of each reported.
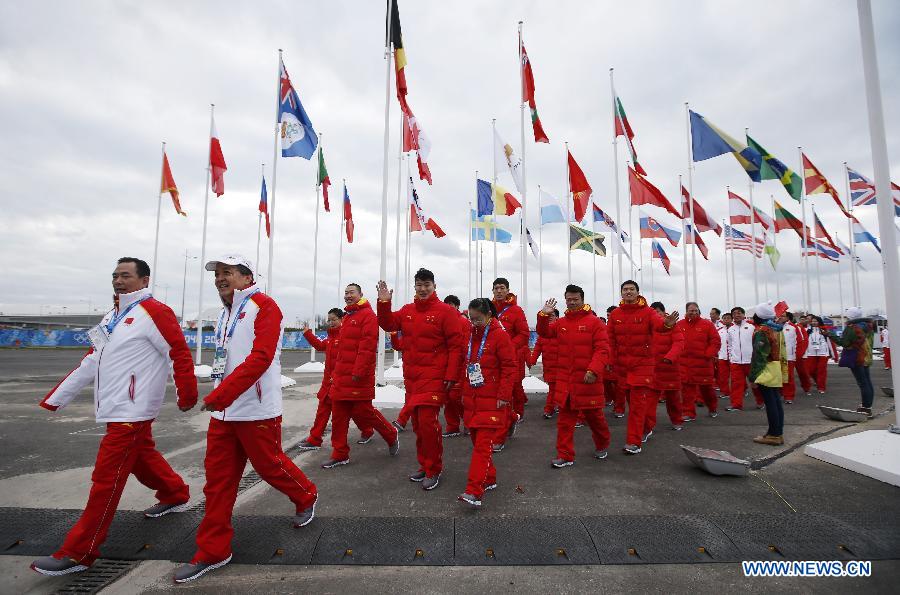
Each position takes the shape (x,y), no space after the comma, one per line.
(168,185)
(817,184)
(693,237)
(780,308)
(645,193)
(216,163)
(579,187)
(417,220)
(702,221)
(414,139)
(528,96)
(348,216)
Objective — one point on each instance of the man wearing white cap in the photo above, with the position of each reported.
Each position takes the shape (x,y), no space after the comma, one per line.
(766,371)
(246,414)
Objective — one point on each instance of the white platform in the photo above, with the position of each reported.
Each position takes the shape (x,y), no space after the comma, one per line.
(533,385)
(873,453)
(310,368)
(389,396)
(203,372)
(393,373)
(286,382)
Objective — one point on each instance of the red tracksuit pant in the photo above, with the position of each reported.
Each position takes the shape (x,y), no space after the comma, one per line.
(789,390)
(887,357)
(691,393)
(404,415)
(620,397)
(127,448)
(453,410)
(229,444)
(429,447)
(815,368)
(565,429)
(323,413)
(550,403)
(642,403)
(739,374)
(362,412)
(723,376)
(673,405)
(481,467)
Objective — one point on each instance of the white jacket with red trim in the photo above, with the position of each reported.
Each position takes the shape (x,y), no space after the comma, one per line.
(251,388)
(131,370)
(791,340)
(724,353)
(740,342)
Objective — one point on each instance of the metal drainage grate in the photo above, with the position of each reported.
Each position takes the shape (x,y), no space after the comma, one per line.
(102,574)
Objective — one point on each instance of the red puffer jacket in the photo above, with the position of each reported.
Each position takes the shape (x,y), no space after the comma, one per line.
(481,405)
(549,348)
(432,347)
(631,329)
(329,345)
(465,328)
(582,346)
(668,343)
(512,317)
(356,353)
(701,347)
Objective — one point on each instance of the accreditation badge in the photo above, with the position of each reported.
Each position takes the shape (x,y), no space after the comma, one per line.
(98,337)
(218,366)
(476,378)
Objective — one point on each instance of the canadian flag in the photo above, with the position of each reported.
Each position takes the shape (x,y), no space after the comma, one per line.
(217,165)
(414,139)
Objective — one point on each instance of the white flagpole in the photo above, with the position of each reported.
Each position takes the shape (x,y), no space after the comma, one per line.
(469,243)
(641,257)
(612,273)
(312,326)
(541,253)
(687,114)
(341,227)
(806,285)
(612,88)
(753,244)
(840,279)
(684,243)
(400,157)
(775,245)
(652,287)
(269,282)
(494,180)
(382,269)
(158,215)
(262,167)
(212,108)
(594,255)
(886,229)
(818,268)
(406,279)
(478,249)
(568,221)
(854,272)
(733,277)
(524,214)
(727,280)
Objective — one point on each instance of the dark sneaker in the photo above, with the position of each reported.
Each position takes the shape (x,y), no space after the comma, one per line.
(451,434)
(365,438)
(579,424)
(470,500)
(631,449)
(618,415)
(560,463)
(689,419)
(417,476)
(549,414)
(788,401)
(189,572)
(647,436)
(512,430)
(394,447)
(714,414)
(429,483)
(498,447)
(677,428)
(600,454)
(866,410)
(307,445)
(734,409)
(397,425)
(760,406)
(162,509)
(332,463)
(57,566)
(305,517)
(490,486)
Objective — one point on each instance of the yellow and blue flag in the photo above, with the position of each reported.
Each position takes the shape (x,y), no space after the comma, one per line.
(708,141)
(485,228)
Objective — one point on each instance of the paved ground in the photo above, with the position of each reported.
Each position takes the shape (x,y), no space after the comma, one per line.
(45,461)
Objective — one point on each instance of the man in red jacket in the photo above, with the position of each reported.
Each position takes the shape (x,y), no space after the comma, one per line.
(582,356)
(668,345)
(353,379)
(548,350)
(432,358)
(453,410)
(614,389)
(698,362)
(512,317)
(631,327)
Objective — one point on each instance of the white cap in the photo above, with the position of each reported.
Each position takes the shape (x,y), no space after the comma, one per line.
(853,312)
(229,259)
(765,311)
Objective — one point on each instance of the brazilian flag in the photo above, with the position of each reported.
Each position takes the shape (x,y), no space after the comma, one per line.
(773,169)
(585,239)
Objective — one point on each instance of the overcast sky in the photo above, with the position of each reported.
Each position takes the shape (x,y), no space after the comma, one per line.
(89,90)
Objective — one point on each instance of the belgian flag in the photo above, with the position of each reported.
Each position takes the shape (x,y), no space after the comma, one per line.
(396,40)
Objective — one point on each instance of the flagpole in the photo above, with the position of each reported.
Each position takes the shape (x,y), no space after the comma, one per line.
(469,243)
(493,185)
(541,253)
(854,273)
(684,254)
(269,284)
(212,108)
(806,284)
(818,268)
(568,221)
(158,216)
(612,88)
(341,227)
(690,151)
(652,287)
(382,268)
(733,275)
(593,240)
(478,251)
(612,272)
(727,280)
(312,326)
(262,168)
(753,236)
(406,283)
(641,257)
(775,246)
(840,278)
(400,158)
(524,214)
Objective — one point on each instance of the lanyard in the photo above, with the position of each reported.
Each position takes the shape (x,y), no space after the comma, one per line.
(481,347)
(112,324)
(237,316)
(503,311)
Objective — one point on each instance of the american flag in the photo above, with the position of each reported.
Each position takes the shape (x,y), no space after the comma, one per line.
(738,240)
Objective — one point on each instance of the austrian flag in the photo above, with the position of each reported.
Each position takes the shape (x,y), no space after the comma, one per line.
(217,165)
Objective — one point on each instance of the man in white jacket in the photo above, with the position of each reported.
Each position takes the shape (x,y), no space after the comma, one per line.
(132,348)
(740,349)
(246,414)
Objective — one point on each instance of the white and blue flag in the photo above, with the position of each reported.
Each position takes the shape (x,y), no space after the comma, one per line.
(298,139)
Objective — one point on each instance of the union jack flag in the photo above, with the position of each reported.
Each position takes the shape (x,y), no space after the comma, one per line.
(287,89)
(862,191)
